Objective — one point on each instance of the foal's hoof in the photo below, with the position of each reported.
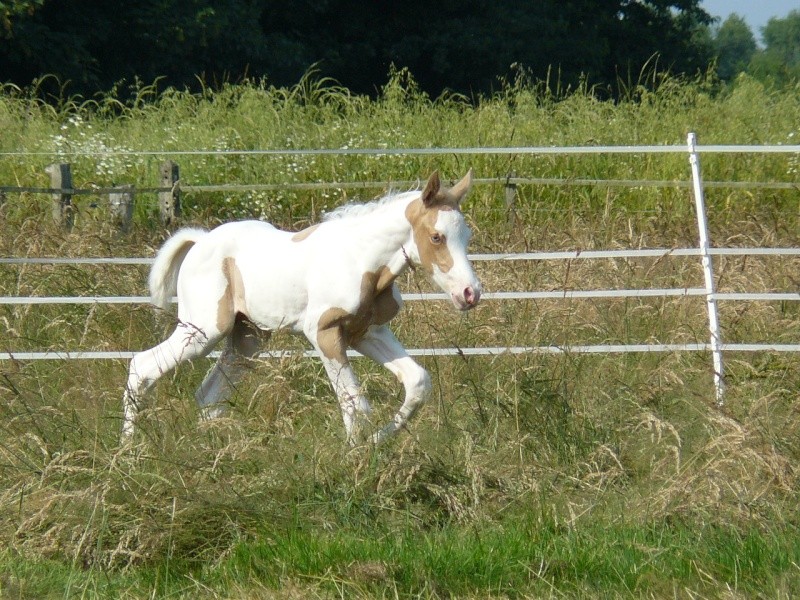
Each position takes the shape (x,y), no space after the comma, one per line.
(212,412)
(384,434)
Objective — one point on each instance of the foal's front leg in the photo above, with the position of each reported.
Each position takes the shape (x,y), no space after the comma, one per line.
(381,345)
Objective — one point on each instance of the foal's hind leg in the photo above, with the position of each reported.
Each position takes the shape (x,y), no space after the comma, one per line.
(241,346)
(185,343)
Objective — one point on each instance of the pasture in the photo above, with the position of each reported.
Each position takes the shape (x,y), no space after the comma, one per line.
(525,476)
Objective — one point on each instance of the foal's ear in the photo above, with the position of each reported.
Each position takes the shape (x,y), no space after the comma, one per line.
(431,190)
(459,190)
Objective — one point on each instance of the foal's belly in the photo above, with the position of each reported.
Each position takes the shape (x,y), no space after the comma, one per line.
(274,277)
(271,315)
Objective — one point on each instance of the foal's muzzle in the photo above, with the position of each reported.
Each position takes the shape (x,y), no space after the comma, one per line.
(468,298)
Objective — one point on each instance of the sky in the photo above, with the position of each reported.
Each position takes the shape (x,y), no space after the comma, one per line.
(755,12)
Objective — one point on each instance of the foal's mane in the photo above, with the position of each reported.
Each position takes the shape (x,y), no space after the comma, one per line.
(360,209)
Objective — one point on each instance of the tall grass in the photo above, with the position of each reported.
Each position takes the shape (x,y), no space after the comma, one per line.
(525,476)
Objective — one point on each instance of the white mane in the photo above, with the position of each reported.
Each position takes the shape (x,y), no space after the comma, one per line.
(359,209)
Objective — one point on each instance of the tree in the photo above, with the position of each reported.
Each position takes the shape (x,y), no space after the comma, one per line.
(668,30)
(95,44)
(10,9)
(735,46)
(461,45)
(779,62)
(465,45)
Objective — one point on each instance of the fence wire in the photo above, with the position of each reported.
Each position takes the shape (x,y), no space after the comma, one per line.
(529,256)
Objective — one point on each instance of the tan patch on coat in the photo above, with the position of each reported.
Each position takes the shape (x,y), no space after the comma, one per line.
(423,225)
(330,334)
(232,300)
(301,235)
(338,329)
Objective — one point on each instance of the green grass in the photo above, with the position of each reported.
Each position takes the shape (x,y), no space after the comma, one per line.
(523,559)
(525,476)
(516,560)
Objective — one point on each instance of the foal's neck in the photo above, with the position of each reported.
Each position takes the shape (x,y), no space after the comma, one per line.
(391,231)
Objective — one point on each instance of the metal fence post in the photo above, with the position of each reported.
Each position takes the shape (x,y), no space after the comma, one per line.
(61,179)
(169,202)
(708,272)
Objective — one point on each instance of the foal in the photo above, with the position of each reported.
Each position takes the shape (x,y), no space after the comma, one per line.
(333,282)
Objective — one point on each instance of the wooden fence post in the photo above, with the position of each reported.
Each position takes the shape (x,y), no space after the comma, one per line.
(121,203)
(61,179)
(511,198)
(169,202)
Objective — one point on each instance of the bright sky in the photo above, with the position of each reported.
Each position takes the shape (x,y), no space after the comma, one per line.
(755,12)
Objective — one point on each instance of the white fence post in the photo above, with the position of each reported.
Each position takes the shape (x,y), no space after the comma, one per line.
(708,272)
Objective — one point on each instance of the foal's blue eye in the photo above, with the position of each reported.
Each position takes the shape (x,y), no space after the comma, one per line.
(437,238)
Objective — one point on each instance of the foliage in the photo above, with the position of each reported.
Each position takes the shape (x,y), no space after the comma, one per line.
(778,63)
(735,46)
(525,476)
(780,60)
(459,46)
(10,9)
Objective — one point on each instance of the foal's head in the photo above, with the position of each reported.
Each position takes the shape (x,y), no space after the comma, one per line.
(440,235)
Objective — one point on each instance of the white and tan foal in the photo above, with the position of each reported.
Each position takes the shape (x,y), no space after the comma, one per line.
(333,282)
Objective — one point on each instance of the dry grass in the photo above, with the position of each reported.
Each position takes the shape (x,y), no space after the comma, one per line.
(575,437)
(560,442)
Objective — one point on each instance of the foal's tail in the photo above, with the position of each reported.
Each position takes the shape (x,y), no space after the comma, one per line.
(164,273)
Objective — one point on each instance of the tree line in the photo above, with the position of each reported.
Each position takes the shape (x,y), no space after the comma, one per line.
(464,46)
(737,51)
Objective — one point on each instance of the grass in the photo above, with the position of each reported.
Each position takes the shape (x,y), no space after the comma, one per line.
(518,560)
(525,476)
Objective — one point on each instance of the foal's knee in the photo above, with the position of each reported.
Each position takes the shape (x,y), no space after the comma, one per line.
(139,376)
(418,385)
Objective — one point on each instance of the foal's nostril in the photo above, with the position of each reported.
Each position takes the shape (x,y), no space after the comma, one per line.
(471,296)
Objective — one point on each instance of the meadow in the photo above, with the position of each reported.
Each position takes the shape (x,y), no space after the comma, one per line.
(581,476)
